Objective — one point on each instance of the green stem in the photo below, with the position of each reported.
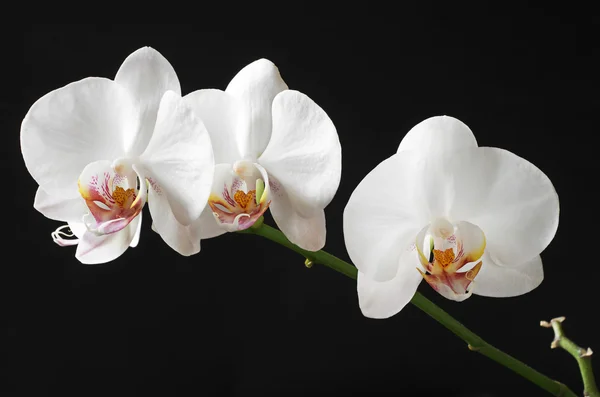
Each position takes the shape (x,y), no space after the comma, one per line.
(475,343)
(583,356)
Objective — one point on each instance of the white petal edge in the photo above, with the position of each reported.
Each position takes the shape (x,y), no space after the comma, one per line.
(72,126)
(183,239)
(138,230)
(498,281)
(147,75)
(206,226)
(59,208)
(308,233)
(93,249)
(179,158)
(304,152)
(220,112)
(255,86)
(381,300)
(384,214)
(438,134)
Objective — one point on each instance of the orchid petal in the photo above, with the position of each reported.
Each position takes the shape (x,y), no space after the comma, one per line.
(93,249)
(437,134)
(306,232)
(59,208)
(147,75)
(73,126)
(304,153)
(138,231)
(510,199)
(255,86)
(220,112)
(383,299)
(450,294)
(179,159)
(501,282)
(207,226)
(383,215)
(181,238)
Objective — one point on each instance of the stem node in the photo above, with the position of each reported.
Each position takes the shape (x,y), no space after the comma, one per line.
(473,348)
(586,353)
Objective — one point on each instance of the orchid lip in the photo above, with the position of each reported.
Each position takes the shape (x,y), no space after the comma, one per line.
(450,257)
(236,206)
(63,238)
(114,194)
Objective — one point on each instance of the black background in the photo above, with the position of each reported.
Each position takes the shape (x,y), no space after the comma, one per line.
(245,317)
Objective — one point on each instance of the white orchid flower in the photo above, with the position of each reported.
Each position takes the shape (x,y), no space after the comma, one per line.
(467,219)
(94,146)
(273,147)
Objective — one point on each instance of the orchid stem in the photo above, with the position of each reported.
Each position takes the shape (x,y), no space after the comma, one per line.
(583,356)
(475,343)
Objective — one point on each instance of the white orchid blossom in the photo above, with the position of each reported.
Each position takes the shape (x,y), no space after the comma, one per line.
(95,145)
(467,219)
(273,147)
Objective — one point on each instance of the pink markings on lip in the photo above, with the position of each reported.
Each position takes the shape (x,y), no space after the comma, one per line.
(227,196)
(112,203)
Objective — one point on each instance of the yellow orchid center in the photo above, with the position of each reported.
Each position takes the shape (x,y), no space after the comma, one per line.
(444,258)
(243,199)
(123,198)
